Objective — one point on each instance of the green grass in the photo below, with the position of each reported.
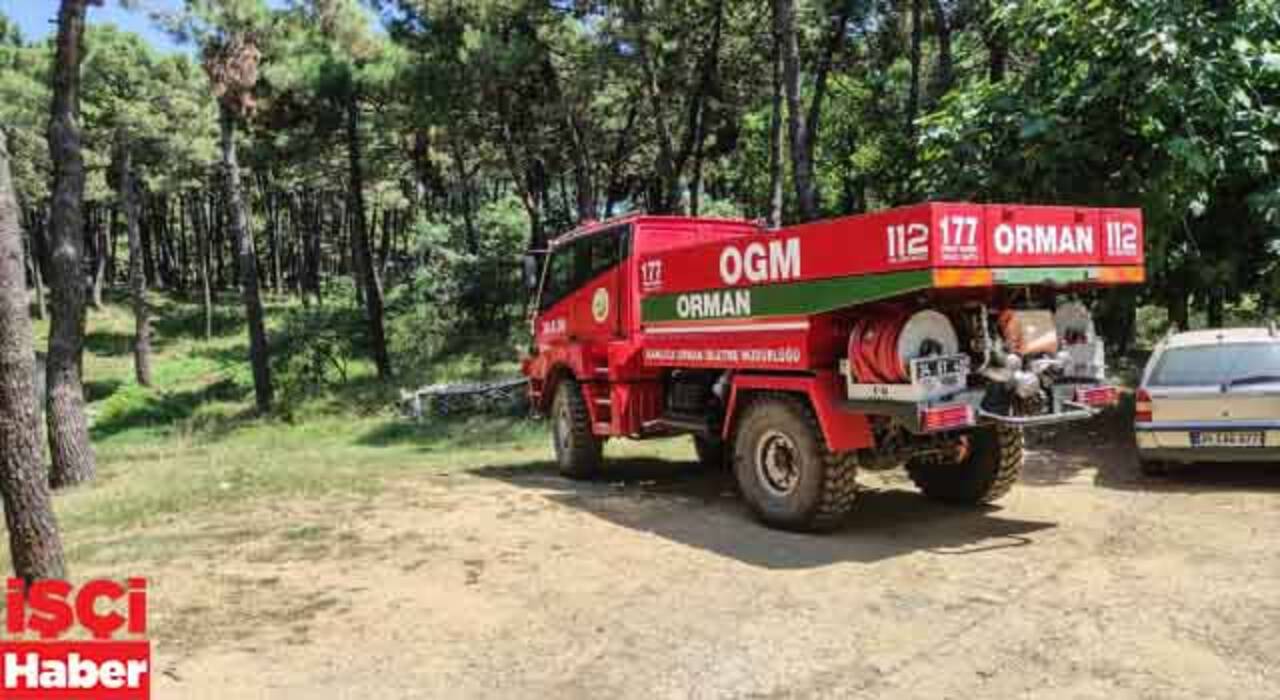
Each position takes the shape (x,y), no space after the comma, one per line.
(193,445)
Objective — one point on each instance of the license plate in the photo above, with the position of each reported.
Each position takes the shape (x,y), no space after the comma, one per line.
(940,367)
(1224,438)
(940,376)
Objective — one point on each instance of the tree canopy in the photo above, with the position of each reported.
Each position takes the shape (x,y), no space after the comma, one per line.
(396,132)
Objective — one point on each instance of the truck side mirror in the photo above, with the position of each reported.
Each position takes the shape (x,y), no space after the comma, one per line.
(529,271)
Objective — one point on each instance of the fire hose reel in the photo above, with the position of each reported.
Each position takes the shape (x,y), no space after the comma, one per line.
(883,344)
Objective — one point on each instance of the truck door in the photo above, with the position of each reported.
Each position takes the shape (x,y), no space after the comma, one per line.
(598,317)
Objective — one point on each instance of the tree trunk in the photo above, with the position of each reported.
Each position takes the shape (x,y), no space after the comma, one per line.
(37,279)
(784,18)
(667,192)
(997,43)
(710,69)
(137,276)
(917,41)
(35,547)
(777,149)
(73,458)
(97,234)
(248,264)
(945,71)
(802,127)
(363,252)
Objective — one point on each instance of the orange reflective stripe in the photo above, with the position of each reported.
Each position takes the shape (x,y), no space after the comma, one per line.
(963,277)
(1120,275)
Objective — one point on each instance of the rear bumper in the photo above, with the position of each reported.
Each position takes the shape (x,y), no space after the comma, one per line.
(911,414)
(1171,441)
(1188,455)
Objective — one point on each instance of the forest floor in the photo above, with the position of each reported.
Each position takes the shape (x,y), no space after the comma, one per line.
(349,554)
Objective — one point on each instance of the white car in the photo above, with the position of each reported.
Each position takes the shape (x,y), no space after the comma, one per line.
(1210,396)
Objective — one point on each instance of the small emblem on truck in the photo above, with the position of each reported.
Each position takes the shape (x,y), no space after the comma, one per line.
(600,305)
(758,263)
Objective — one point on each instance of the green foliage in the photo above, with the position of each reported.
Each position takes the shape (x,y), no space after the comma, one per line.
(466,292)
(1195,145)
(312,349)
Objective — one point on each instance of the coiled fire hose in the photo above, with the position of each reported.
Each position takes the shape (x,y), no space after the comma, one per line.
(885,340)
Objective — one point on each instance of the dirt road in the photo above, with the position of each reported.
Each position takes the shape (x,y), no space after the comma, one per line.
(1089,581)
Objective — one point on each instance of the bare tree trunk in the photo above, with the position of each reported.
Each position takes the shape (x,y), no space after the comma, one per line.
(997,43)
(363,253)
(777,149)
(784,18)
(944,74)
(802,125)
(668,190)
(73,458)
(137,276)
(35,547)
(917,38)
(200,231)
(248,263)
(710,68)
(99,240)
(37,278)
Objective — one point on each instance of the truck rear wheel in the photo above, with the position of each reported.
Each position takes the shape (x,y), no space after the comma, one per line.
(786,473)
(988,469)
(579,453)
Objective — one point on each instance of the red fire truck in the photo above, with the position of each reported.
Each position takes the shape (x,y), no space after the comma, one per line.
(927,336)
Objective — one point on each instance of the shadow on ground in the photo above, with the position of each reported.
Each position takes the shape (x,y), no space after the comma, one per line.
(685,504)
(187,321)
(438,435)
(108,343)
(163,410)
(99,389)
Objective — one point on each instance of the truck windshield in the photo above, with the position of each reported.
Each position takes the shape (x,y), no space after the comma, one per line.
(1216,365)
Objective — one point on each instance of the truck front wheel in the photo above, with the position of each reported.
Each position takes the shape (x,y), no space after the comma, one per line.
(579,453)
(987,468)
(786,473)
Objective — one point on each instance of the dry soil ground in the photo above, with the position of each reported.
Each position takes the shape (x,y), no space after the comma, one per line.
(1088,581)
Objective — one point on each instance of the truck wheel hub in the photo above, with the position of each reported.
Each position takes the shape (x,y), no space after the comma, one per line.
(777,461)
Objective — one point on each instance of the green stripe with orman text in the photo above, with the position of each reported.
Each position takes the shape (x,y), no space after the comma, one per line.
(797,298)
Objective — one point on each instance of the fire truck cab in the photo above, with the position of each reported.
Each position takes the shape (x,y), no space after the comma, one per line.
(926,336)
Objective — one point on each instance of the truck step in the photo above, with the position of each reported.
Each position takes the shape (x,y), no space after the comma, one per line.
(681,423)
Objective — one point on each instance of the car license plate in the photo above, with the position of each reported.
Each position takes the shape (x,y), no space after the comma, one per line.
(1227,438)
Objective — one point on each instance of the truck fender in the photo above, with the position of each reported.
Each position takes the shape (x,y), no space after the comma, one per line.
(842,429)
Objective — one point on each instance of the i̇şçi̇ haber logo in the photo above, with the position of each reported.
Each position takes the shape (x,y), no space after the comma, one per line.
(36,663)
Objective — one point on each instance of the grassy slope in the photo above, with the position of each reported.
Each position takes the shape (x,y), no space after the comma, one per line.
(191,444)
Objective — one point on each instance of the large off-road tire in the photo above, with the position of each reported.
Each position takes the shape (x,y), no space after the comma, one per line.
(713,453)
(579,453)
(786,473)
(989,469)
